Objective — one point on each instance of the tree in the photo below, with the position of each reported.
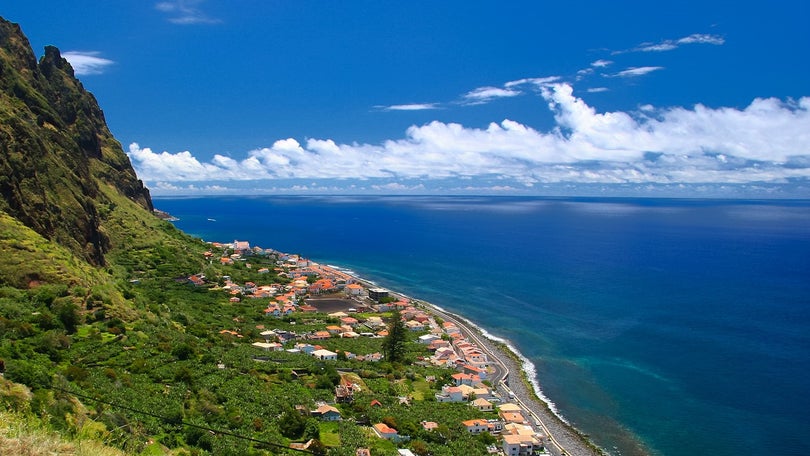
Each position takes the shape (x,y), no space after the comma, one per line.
(394,343)
(312,430)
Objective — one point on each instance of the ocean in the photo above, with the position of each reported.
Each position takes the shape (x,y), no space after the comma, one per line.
(655,326)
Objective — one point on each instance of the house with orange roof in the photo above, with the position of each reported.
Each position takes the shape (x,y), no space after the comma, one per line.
(354,289)
(326,413)
(519,445)
(450,394)
(462,379)
(320,335)
(476,427)
(384,431)
(511,417)
(334,329)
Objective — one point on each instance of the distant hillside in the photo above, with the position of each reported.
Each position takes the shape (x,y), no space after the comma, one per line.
(56,152)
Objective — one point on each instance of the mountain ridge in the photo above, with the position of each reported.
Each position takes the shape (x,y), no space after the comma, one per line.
(56,150)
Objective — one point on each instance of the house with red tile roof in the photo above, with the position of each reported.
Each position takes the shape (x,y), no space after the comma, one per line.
(476,427)
(384,431)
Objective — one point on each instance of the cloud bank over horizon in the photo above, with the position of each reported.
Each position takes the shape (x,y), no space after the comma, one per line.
(766,142)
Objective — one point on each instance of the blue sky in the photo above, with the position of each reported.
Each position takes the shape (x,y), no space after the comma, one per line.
(689,98)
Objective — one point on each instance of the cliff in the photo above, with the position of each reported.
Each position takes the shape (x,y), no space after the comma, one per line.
(57,155)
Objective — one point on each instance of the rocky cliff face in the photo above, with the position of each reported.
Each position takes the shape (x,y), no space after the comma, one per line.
(56,150)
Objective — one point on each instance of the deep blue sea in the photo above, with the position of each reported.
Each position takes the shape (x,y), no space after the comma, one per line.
(661,326)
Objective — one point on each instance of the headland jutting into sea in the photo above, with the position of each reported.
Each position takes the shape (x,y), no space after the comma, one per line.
(529,421)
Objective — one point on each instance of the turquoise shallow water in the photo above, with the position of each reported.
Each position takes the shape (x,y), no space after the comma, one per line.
(665,325)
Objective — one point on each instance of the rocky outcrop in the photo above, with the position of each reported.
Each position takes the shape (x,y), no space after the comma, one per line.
(56,150)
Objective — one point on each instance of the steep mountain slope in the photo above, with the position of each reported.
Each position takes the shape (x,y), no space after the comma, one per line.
(56,150)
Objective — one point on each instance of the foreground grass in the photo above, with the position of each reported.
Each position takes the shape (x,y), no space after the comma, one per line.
(26,436)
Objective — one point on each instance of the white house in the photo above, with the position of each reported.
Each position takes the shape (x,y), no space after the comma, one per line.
(476,427)
(450,394)
(325,355)
(519,445)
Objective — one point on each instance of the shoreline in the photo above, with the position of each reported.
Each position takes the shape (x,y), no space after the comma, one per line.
(563,436)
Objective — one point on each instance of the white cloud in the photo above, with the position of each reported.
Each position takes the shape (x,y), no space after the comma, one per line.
(538,82)
(768,141)
(669,45)
(411,107)
(699,38)
(483,95)
(85,63)
(637,71)
(601,63)
(597,89)
(185,12)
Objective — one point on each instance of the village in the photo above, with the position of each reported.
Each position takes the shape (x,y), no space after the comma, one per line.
(358,309)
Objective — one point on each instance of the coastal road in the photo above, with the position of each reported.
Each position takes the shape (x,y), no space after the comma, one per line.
(561,439)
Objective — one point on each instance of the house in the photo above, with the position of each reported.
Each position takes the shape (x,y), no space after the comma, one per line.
(306,348)
(344,394)
(450,394)
(511,417)
(482,405)
(374,357)
(269,346)
(384,431)
(354,289)
(320,335)
(476,427)
(519,445)
(326,413)
(462,379)
(377,293)
(414,325)
(362,452)
(429,425)
(428,338)
(325,355)
(405,452)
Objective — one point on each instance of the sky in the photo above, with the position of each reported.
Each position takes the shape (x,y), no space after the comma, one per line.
(691,98)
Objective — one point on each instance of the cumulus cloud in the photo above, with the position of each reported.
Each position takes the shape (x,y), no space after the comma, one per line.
(185,12)
(86,63)
(767,141)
